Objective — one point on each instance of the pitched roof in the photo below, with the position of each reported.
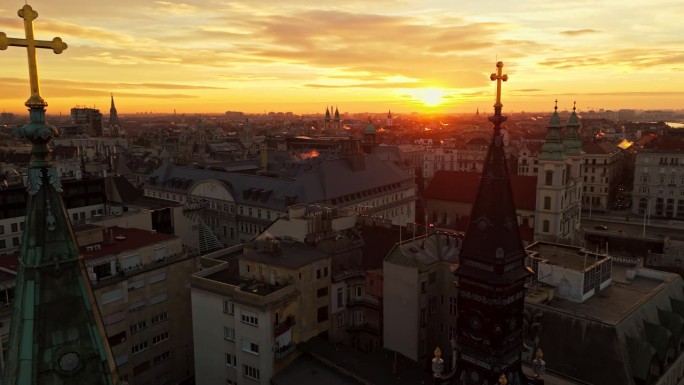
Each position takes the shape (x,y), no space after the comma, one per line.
(461,186)
(599,148)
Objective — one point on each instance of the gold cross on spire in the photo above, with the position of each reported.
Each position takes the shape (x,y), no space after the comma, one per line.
(57,45)
(498,77)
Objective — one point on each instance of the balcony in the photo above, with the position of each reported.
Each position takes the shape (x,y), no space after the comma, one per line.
(284,351)
(284,326)
(368,302)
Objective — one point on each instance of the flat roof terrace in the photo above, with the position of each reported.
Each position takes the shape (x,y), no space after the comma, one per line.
(620,298)
(570,257)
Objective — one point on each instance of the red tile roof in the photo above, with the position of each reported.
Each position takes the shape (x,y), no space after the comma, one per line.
(461,186)
(124,240)
(665,144)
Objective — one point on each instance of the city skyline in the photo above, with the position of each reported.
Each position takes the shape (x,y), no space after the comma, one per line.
(213,56)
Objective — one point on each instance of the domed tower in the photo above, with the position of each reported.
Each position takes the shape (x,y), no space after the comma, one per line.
(552,179)
(369,142)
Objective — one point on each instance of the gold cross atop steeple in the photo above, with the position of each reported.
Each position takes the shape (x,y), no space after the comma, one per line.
(498,77)
(57,45)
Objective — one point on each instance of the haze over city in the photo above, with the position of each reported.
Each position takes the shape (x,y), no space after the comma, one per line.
(428,56)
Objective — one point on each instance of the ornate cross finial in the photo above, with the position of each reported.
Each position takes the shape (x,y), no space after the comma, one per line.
(56,45)
(498,77)
(555,108)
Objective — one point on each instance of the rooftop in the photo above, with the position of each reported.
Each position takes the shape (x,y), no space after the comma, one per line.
(119,240)
(618,300)
(571,257)
(292,255)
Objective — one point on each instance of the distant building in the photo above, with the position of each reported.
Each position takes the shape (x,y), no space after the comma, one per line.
(450,196)
(88,121)
(84,199)
(658,184)
(602,168)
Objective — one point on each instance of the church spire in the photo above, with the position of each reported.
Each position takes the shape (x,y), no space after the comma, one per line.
(571,141)
(491,274)
(337,115)
(56,334)
(553,147)
(327,114)
(113,116)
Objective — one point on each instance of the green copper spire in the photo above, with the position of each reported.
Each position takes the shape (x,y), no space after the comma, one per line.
(571,141)
(553,147)
(56,335)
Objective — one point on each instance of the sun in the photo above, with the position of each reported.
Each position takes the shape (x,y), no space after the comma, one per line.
(430,97)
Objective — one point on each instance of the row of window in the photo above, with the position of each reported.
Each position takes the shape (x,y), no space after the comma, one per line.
(15,227)
(143,345)
(247,371)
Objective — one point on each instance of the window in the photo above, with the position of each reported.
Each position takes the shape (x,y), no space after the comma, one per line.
(340,320)
(325,271)
(138,327)
(249,318)
(160,318)
(133,285)
(432,278)
(250,372)
(545,226)
(547,203)
(250,346)
(160,338)
(228,333)
(15,241)
(135,306)
(318,273)
(112,296)
(158,298)
(322,314)
(322,292)
(548,178)
(231,360)
(141,368)
(141,347)
(14,228)
(157,278)
(340,298)
(162,357)
(423,316)
(228,307)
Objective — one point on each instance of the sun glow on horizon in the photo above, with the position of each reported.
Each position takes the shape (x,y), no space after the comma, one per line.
(429,97)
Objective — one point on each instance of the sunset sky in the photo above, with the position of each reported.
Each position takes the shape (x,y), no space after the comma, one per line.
(361,55)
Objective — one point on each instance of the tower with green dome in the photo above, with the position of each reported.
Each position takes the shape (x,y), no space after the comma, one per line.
(557,212)
(369,141)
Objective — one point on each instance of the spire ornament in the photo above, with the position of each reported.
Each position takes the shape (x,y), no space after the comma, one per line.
(499,78)
(56,45)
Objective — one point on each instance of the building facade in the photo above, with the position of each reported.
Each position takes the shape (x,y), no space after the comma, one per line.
(659,179)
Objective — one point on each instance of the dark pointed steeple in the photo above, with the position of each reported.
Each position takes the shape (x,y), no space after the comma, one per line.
(327,114)
(553,148)
(56,335)
(571,141)
(491,274)
(337,115)
(113,123)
